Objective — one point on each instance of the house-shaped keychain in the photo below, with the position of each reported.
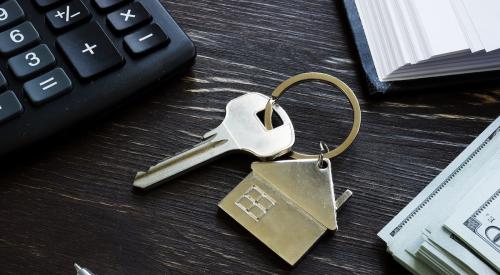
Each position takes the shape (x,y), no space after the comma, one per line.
(288,205)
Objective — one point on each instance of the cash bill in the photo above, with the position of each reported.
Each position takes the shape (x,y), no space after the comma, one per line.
(457,252)
(477,221)
(416,236)
(441,261)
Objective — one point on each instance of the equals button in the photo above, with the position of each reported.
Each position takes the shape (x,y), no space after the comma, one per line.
(146,40)
(48,86)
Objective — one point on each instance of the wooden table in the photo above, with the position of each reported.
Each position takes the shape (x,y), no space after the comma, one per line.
(69,199)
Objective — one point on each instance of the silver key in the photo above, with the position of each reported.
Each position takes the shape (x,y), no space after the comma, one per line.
(241,130)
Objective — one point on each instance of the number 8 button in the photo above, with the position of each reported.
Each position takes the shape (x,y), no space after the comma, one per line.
(30,62)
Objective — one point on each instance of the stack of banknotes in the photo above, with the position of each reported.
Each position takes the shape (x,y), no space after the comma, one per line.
(453,225)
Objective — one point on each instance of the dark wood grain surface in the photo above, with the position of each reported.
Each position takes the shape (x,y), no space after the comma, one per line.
(70,199)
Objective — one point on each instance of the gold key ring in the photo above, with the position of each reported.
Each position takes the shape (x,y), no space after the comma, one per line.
(295,80)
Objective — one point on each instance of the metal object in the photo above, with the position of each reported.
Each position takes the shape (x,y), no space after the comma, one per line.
(82,271)
(324,149)
(288,205)
(241,130)
(323,78)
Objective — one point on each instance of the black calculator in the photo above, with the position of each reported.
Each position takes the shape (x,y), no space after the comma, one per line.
(64,60)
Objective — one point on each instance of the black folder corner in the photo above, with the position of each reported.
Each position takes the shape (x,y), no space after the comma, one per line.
(376,87)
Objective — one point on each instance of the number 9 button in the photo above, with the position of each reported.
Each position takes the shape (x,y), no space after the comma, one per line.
(10,13)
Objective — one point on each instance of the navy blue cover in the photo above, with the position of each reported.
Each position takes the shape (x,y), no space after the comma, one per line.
(374,86)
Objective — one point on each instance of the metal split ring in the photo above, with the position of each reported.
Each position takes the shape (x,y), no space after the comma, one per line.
(295,80)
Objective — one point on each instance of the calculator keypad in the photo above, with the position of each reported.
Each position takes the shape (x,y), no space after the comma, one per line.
(79,37)
(31,62)
(10,14)
(68,15)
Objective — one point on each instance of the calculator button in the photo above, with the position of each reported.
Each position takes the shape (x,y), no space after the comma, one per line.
(68,15)
(108,4)
(18,38)
(3,81)
(10,14)
(47,3)
(89,50)
(48,86)
(9,106)
(146,39)
(128,17)
(30,62)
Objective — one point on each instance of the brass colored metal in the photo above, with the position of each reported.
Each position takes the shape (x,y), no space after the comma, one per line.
(295,80)
(288,205)
(343,198)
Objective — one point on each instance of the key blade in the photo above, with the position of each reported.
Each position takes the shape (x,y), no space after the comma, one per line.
(175,166)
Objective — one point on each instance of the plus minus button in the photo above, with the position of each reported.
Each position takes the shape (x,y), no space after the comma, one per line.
(66,16)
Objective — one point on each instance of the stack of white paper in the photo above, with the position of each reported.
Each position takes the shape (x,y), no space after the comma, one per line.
(411,39)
